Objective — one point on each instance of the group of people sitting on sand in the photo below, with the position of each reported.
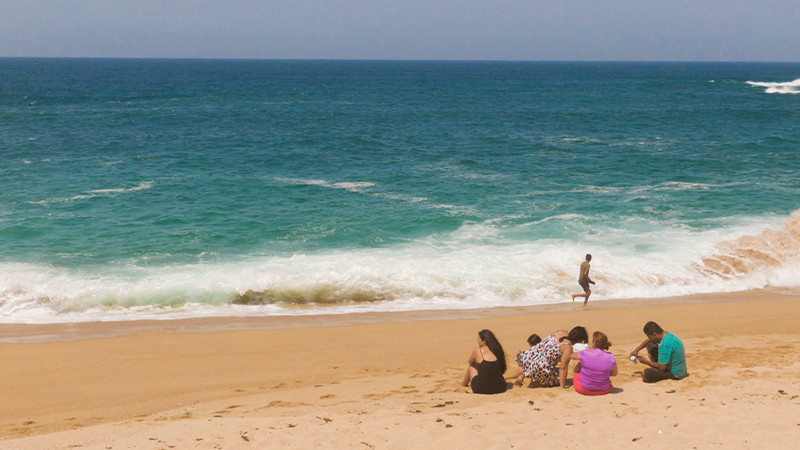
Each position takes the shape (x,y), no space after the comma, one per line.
(546,362)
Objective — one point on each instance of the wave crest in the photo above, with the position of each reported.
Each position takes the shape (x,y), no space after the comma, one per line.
(480,265)
(748,254)
(789,87)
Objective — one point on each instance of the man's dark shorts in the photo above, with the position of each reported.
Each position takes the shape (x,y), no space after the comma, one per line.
(652,375)
(584,285)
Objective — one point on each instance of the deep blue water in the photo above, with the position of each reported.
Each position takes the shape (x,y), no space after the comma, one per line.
(128,185)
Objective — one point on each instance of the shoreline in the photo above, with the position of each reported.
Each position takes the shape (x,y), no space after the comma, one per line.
(18,333)
(375,378)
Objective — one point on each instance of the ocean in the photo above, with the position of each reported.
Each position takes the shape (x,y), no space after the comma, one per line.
(164,189)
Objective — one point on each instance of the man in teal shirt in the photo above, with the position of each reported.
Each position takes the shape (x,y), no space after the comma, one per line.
(667,358)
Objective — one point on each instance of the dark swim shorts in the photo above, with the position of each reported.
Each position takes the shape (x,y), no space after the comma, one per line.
(584,285)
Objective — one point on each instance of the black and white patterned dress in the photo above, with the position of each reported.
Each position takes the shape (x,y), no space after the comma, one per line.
(540,362)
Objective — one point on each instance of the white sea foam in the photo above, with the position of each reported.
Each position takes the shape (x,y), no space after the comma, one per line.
(352,186)
(788,87)
(107,192)
(112,191)
(563,217)
(667,186)
(479,265)
(370,189)
(143,186)
(580,140)
(682,186)
(402,197)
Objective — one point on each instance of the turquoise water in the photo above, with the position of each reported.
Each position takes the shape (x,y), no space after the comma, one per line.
(182,188)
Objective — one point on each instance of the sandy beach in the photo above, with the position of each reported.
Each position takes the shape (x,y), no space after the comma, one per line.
(392,380)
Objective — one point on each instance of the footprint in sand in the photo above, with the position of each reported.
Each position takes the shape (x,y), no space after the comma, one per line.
(406,390)
(443,404)
(282,404)
(375,396)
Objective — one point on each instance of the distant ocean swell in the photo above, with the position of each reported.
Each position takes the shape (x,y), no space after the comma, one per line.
(475,266)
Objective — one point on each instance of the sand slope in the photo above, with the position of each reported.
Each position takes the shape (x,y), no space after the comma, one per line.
(395,385)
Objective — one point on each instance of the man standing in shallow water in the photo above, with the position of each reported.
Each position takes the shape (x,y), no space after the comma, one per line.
(584,281)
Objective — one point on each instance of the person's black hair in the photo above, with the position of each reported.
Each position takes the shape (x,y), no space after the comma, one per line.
(534,339)
(495,347)
(652,328)
(588,257)
(577,334)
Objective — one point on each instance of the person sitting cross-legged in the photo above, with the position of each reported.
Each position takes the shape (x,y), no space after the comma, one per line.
(665,355)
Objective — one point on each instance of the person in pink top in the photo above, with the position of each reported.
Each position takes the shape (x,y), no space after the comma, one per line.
(597,366)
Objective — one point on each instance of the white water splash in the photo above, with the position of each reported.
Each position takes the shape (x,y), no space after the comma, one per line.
(476,266)
(789,87)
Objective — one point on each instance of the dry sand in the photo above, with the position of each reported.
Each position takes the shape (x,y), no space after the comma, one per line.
(392,381)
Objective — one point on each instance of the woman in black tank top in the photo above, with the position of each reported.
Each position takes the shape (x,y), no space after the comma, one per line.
(487,364)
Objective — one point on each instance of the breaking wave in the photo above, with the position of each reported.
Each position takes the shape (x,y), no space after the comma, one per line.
(788,87)
(478,266)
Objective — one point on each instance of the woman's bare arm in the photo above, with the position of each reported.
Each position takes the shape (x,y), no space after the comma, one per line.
(475,357)
(562,370)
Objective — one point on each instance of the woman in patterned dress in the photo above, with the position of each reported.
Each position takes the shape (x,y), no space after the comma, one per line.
(547,362)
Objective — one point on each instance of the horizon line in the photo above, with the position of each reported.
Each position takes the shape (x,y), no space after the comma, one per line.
(628,61)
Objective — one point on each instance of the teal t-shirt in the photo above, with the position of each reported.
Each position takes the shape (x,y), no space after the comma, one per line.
(670,352)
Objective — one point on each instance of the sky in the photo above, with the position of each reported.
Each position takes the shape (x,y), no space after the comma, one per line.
(529,30)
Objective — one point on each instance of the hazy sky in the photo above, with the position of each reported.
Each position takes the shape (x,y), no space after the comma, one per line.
(642,30)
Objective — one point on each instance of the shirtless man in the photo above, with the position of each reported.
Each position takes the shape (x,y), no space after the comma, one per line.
(584,281)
